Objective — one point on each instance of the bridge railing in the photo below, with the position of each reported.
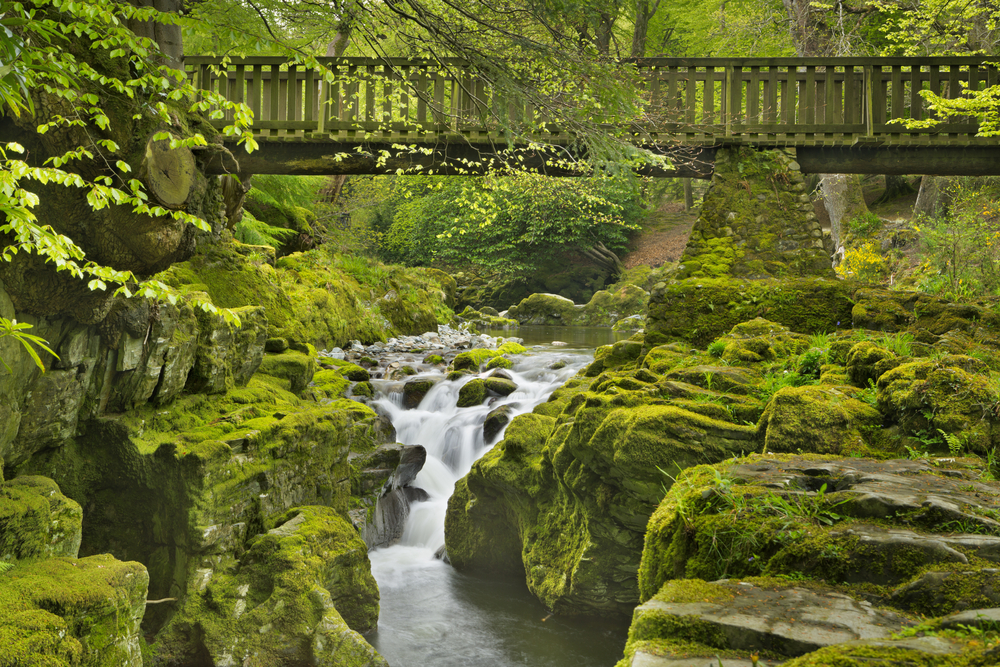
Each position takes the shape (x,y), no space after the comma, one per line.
(775,101)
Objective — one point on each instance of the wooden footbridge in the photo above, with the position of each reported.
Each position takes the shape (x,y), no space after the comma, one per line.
(837,112)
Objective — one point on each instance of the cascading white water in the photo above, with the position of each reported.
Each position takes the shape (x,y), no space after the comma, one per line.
(453,436)
(432,616)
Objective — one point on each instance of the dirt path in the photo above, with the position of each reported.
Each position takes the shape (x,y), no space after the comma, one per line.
(664,234)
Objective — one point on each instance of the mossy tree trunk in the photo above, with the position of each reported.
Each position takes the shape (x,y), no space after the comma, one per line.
(844,200)
(933,197)
(114,236)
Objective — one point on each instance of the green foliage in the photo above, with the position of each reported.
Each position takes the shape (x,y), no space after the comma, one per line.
(865,225)
(717,347)
(34,56)
(252,231)
(19,332)
(811,361)
(962,250)
(864,262)
(506,224)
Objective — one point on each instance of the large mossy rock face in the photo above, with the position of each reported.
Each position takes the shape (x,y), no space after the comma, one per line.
(604,309)
(565,497)
(756,222)
(701,310)
(152,361)
(65,611)
(313,298)
(909,536)
(37,520)
(182,490)
(301,594)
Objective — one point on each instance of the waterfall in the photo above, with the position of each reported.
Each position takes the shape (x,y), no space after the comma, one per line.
(453,436)
(434,616)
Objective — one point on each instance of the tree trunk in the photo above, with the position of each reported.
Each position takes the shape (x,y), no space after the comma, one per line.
(843,200)
(895,187)
(168,37)
(933,198)
(688,195)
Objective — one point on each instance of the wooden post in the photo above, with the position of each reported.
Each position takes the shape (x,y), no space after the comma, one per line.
(869,87)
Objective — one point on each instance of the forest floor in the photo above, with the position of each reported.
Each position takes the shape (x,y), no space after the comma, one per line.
(664,234)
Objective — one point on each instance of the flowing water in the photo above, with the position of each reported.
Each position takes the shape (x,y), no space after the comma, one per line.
(433,616)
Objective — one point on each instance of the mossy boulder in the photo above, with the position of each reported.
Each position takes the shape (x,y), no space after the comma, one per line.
(227,353)
(68,611)
(545,309)
(608,357)
(760,340)
(294,369)
(867,361)
(495,422)
(302,593)
(472,393)
(414,392)
(818,420)
(700,310)
(499,362)
(37,520)
(954,394)
(473,360)
(500,386)
(175,489)
(603,450)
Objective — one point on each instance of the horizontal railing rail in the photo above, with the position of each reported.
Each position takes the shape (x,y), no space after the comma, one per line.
(764,101)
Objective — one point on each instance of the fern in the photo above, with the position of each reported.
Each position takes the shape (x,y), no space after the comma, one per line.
(252,231)
(5,566)
(956,443)
(288,191)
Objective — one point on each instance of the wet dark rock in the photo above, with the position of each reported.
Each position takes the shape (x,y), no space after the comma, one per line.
(495,422)
(414,392)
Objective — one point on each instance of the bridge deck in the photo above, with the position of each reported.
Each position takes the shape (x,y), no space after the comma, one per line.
(700,101)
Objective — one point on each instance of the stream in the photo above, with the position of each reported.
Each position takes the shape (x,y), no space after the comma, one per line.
(434,616)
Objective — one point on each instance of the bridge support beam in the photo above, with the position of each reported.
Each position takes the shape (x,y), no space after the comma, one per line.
(873,159)
(329,158)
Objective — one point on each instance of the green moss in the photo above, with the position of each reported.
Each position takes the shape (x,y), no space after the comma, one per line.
(499,362)
(701,310)
(472,393)
(68,611)
(294,369)
(817,420)
(308,574)
(930,395)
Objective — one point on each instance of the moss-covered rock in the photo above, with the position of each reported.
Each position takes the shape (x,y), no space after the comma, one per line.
(867,361)
(500,386)
(294,369)
(604,309)
(701,310)
(760,340)
(952,394)
(818,420)
(499,362)
(37,520)
(473,360)
(320,298)
(302,593)
(472,393)
(414,392)
(65,611)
